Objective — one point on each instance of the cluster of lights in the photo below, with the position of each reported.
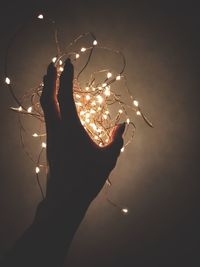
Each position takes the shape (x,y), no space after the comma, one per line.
(94,101)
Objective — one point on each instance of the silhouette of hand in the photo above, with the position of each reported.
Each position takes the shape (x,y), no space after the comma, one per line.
(78,169)
(76,163)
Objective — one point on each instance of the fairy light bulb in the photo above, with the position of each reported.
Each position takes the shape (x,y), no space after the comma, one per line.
(107,91)
(120,111)
(83,49)
(37,169)
(92,111)
(87,97)
(44,145)
(136,103)
(118,78)
(29,110)
(124,210)
(95,42)
(109,75)
(7,80)
(100,99)
(105,116)
(138,113)
(122,149)
(35,135)
(128,120)
(20,108)
(104,84)
(54,59)
(61,68)
(79,104)
(77,56)
(40,16)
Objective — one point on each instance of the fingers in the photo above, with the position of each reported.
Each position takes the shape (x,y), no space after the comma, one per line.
(48,97)
(65,94)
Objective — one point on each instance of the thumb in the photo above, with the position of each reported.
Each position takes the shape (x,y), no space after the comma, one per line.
(118,132)
(117,139)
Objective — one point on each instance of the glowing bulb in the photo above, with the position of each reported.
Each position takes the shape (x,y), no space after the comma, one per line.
(82,122)
(83,49)
(128,120)
(54,59)
(105,116)
(87,88)
(40,16)
(104,84)
(95,42)
(93,103)
(44,145)
(92,111)
(87,115)
(79,104)
(20,108)
(87,120)
(60,62)
(7,80)
(124,210)
(29,110)
(120,111)
(35,135)
(78,96)
(136,103)
(107,91)
(138,113)
(61,68)
(82,112)
(122,149)
(37,169)
(100,99)
(109,74)
(87,97)
(77,56)
(118,78)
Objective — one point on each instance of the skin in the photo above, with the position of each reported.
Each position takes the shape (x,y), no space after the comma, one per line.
(78,169)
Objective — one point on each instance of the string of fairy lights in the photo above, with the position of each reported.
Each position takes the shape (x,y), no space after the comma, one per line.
(99,100)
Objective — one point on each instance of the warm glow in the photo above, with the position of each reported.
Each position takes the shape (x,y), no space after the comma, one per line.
(29,110)
(37,170)
(44,145)
(124,210)
(136,103)
(40,16)
(7,80)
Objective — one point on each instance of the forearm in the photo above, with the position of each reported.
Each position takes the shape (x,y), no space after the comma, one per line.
(46,241)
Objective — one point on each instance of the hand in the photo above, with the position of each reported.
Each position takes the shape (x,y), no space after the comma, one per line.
(76,163)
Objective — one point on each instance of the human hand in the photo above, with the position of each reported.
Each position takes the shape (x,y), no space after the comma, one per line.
(75,162)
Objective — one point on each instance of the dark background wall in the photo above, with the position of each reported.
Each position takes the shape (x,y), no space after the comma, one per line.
(158,175)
